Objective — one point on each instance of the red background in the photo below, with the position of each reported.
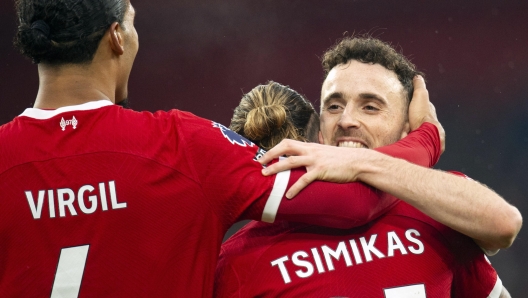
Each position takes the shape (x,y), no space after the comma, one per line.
(201,56)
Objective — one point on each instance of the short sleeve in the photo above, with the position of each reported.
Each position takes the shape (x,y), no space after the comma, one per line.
(225,166)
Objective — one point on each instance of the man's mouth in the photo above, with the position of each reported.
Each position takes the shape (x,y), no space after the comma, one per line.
(351,144)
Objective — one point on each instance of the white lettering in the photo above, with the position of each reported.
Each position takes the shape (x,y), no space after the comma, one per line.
(304,267)
(394,243)
(51,203)
(282,268)
(66,203)
(341,250)
(408,235)
(368,248)
(67,199)
(102,194)
(355,250)
(113,197)
(92,199)
(35,210)
(318,262)
(297,261)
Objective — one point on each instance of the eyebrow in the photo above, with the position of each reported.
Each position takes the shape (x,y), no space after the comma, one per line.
(363,96)
(334,95)
(373,96)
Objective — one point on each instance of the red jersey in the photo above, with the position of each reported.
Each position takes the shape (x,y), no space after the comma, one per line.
(102,201)
(403,254)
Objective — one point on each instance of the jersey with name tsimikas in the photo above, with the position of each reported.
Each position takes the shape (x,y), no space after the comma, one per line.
(97,200)
(402,254)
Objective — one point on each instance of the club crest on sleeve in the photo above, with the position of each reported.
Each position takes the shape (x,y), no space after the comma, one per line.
(233,137)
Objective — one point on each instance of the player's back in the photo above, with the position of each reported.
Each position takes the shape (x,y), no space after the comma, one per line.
(113,201)
(402,254)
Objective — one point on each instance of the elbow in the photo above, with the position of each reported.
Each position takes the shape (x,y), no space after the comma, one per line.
(510,228)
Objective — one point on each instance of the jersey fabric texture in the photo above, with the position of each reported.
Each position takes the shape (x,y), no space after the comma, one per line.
(98,200)
(129,194)
(404,253)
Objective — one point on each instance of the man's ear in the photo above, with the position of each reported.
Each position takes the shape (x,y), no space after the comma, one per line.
(320,136)
(116,39)
(406,129)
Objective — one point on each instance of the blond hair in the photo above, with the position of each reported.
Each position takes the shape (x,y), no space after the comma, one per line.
(270,113)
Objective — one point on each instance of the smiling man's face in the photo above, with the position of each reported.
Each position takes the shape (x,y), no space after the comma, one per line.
(362,106)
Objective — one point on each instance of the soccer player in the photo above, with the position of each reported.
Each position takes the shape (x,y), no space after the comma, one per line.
(404,253)
(98,200)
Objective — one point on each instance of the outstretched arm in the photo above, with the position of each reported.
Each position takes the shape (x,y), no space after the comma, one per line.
(354,204)
(462,204)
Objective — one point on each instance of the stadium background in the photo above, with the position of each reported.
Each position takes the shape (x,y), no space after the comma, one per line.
(201,56)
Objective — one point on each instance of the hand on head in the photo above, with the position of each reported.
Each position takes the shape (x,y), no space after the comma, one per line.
(422,110)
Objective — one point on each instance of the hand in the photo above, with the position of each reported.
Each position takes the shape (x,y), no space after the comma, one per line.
(422,110)
(322,162)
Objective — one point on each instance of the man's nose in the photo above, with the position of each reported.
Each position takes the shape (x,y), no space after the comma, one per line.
(349,119)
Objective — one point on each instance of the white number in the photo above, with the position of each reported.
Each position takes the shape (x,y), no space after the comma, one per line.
(414,291)
(69,272)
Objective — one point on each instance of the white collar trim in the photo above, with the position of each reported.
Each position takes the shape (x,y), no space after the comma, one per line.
(47,114)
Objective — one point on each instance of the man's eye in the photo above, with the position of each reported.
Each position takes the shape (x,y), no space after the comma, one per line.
(333,107)
(371,108)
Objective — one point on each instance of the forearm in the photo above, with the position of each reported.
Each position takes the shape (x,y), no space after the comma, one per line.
(462,204)
(354,204)
(335,205)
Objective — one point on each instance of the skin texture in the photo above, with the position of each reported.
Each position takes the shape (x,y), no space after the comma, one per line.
(462,204)
(106,77)
(363,103)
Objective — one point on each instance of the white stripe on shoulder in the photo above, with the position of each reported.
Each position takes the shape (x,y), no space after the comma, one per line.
(47,114)
(279,188)
(497,289)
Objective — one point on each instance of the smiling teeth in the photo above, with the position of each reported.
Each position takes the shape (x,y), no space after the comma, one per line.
(351,145)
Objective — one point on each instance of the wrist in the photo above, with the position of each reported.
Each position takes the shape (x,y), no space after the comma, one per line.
(371,164)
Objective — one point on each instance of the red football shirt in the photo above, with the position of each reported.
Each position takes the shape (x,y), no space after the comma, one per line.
(102,201)
(402,254)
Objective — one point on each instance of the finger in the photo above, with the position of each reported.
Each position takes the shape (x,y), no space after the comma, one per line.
(300,184)
(285,164)
(285,147)
(419,109)
(419,84)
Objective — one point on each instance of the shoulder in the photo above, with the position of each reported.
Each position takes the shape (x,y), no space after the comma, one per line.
(452,239)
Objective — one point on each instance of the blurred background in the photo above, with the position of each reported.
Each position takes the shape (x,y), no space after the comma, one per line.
(201,56)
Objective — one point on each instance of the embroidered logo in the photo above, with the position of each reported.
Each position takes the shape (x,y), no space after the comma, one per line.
(73,122)
(233,137)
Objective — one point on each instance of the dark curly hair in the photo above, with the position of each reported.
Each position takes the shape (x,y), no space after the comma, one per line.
(270,113)
(371,50)
(64,31)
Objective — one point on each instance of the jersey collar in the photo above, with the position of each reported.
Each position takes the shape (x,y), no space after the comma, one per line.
(47,114)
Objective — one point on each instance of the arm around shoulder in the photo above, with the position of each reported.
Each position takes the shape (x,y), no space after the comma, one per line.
(463,204)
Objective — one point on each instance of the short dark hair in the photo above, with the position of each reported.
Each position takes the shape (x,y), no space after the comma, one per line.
(270,113)
(64,31)
(367,49)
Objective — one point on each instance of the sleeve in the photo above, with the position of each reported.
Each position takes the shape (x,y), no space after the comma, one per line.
(422,146)
(474,275)
(354,204)
(225,166)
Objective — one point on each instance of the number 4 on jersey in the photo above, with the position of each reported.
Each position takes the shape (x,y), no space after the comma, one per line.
(70,272)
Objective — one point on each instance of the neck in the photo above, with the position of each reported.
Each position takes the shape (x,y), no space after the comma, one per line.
(68,85)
